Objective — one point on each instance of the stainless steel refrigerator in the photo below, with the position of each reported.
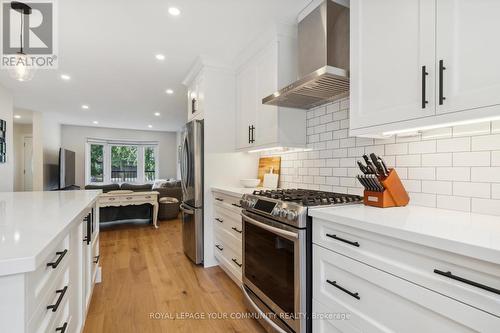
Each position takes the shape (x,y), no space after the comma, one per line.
(191,165)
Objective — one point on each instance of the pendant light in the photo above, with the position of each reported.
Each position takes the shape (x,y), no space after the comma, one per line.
(22,71)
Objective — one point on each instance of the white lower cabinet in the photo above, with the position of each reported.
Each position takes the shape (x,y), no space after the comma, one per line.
(228,234)
(362,283)
(55,296)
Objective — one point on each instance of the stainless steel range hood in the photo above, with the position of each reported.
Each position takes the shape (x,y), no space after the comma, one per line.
(323,60)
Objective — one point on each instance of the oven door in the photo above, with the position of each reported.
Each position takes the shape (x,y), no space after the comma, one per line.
(274,270)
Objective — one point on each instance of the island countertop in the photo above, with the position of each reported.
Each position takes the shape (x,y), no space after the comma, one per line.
(31,221)
(469,234)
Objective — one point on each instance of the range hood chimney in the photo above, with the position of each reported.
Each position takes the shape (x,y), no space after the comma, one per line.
(323,60)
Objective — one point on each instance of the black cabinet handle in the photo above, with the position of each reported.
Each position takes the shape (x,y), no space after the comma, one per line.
(59,259)
(252,136)
(219,247)
(63,328)
(96,259)
(61,293)
(236,262)
(334,283)
(424,81)
(249,134)
(469,282)
(236,205)
(219,220)
(236,229)
(441,74)
(343,240)
(219,199)
(88,237)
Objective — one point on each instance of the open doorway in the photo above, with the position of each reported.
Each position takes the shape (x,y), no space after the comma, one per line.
(23,150)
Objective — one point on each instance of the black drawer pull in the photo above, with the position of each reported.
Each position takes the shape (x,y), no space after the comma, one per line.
(63,328)
(334,283)
(61,293)
(236,229)
(219,247)
(472,283)
(441,89)
(96,259)
(59,259)
(219,199)
(343,240)
(236,205)
(424,79)
(219,220)
(236,262)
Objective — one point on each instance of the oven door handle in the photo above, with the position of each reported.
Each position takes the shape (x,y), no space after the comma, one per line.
(274,230)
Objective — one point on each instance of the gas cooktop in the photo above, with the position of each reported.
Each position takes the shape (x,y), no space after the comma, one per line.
(309,198)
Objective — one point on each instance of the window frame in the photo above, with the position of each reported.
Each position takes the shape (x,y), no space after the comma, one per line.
(107,167)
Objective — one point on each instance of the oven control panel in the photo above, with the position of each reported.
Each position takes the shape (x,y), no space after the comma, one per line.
(287,212)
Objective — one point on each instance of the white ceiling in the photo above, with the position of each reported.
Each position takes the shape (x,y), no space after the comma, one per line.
(108,48)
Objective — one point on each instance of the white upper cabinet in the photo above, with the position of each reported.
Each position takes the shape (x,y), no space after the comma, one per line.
(392,41)
(196,97)
(269,67)
(467,45)
(419,63)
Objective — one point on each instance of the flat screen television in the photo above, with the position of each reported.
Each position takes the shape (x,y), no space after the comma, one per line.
(66,168)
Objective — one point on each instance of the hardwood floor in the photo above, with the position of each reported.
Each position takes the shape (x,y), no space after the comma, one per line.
(146,273)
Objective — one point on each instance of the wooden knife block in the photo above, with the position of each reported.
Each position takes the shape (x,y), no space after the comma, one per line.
(394,194)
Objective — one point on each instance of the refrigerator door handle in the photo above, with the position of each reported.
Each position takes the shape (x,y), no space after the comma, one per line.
(186,210)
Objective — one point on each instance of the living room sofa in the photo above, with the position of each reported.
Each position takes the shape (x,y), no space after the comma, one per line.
(139,213)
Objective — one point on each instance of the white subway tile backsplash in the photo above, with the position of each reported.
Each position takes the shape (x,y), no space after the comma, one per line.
(422,173)
(486,142)
(458,174)
(451,168)
(471,159)
(476,190)
(453,145)
(437,187)
(408,160)
(439,159)
(453,203)
(396,149)
(486,206)
(495,158)
(422,147)
(485,174)
(472,129)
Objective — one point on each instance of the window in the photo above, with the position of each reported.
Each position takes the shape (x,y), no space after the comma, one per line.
(121,162)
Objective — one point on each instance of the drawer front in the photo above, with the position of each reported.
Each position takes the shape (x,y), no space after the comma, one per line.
(382,302)
(108,200)
(229,239)
(40,281)
(228,221)
(96,258)
(327,321)
(44,318)
(227,201)
(415,263)
(231,257)
(138,198)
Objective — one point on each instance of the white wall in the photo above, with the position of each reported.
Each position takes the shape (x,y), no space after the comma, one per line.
(20,132)
(452,168)
(75,137)
(7,169)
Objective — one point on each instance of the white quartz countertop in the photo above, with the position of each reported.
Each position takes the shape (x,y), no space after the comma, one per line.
(30,221)
(234,191)
(472,235)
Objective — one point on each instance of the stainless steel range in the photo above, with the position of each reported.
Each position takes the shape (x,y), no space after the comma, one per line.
(277,250)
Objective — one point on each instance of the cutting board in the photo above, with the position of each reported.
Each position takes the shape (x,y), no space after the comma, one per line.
(265,164)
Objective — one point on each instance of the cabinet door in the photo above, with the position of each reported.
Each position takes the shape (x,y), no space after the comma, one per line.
(391,40)
(266,131)
(467,44)
(247,105)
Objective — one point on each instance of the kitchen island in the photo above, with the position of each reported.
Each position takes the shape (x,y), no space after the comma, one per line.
(49,257)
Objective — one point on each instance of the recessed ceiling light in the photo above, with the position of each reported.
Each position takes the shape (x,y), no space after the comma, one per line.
(174,11)
(169,91)
(157,114)
(150,126)
(95,122)
(85,107)
(17,116)
(160,57)
(65,77)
